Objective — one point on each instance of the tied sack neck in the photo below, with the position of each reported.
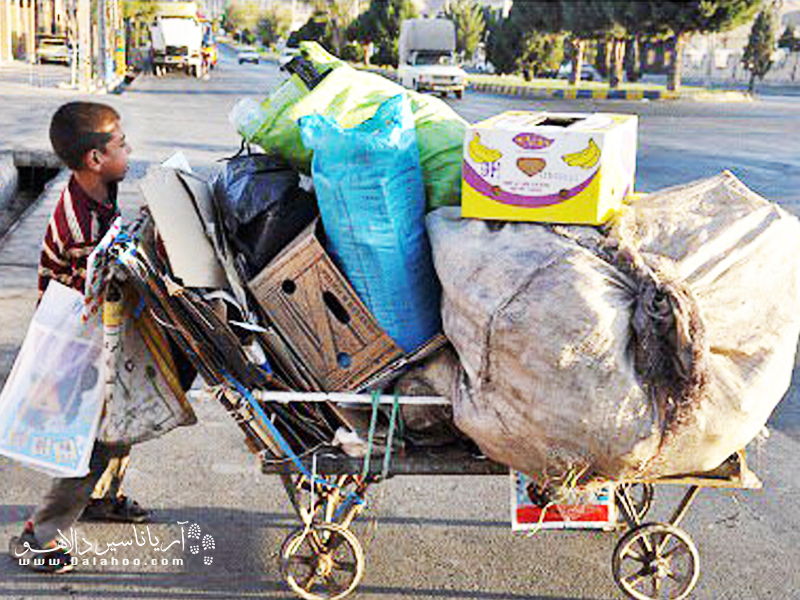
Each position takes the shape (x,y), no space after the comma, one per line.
(668,343)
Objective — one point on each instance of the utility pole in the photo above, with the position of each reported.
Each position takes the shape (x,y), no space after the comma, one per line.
(84,44)
(102,47)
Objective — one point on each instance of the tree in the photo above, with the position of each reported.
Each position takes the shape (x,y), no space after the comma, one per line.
(317,29)
(675,19)
(757,56)
(499,48)
(529,40)
(139,15)
(789,40)
(274,24)
(241,16)
(580,21)
(380,24)
(470,25)
(340,14)
(540,53)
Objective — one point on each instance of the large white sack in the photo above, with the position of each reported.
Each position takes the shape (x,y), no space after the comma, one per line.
(542,320)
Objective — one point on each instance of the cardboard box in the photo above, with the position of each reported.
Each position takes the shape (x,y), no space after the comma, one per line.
(548,167)
(314,307)
(582,509)
(182,208)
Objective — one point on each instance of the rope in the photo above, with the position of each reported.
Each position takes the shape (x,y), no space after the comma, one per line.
(376,397)
(387,457)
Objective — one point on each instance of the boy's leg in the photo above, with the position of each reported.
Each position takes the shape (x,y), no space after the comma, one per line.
(67,497)
(108,502)
(110,483)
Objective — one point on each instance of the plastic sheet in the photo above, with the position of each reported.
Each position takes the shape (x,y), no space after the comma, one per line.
(51,403)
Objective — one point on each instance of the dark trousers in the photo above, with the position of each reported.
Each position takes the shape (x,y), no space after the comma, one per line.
(64,502)
(67,497)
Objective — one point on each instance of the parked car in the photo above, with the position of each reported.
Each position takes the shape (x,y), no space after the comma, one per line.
(248,54)
(588,72)
(53,49)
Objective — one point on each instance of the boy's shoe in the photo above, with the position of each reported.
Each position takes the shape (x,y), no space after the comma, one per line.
(29,553)
(119,510)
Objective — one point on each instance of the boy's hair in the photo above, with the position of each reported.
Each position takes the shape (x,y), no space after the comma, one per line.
(76,129)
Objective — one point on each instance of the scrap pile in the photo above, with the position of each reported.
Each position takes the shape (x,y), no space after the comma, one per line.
(576,328)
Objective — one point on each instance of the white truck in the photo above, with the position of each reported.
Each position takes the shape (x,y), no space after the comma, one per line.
(427,57)
(177,43)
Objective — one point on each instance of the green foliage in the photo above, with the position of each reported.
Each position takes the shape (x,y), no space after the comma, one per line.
(681,16)
(139,14)
(470,25)
(500,48)
(274,24)
(789,40)
(317,29)
(540,54)
(353,51)
(241,16)
(673,19)
(380,24)
(757,56)
(528,41)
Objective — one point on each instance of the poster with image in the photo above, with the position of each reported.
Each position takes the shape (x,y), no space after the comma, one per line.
(582,508)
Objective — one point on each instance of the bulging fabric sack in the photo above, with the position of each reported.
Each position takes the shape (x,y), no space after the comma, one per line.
(372,203)
(351,97)
(51,403)
(657,348)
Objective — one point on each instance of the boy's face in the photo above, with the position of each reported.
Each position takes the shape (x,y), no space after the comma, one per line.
(112,164)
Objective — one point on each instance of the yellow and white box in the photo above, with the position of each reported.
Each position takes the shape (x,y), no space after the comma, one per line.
(549,167)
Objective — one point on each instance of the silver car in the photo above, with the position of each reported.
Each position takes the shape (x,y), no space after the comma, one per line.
(53,49)
(248,54)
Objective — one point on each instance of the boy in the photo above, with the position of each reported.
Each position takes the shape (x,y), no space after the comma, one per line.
(88,138)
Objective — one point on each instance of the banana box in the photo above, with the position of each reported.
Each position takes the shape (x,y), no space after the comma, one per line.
(548,167)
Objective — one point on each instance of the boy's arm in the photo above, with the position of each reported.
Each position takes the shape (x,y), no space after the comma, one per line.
(55,262)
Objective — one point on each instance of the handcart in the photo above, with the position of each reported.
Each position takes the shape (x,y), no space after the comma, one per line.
(323,559)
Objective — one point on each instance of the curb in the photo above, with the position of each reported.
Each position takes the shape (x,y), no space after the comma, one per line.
(9,179)
(573,94)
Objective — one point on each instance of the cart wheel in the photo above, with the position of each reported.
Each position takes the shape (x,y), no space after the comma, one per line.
(322,562)
(640,495)
(656,561)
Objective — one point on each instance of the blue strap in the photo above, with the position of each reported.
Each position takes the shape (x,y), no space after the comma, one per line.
(281,441)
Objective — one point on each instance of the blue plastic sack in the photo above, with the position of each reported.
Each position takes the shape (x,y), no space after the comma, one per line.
(372,202)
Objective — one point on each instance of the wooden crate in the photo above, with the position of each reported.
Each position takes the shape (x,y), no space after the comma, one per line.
(319,314)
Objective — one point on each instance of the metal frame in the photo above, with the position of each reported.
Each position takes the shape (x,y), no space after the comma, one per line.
(328,491)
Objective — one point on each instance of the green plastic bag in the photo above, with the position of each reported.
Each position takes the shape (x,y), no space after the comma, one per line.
(350,97)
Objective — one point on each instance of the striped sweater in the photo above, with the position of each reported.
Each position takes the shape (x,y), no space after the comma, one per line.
(76,226)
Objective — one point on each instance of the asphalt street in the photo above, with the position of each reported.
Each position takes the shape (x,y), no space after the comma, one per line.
(425,537)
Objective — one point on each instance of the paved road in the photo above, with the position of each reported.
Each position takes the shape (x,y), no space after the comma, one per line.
(436,538)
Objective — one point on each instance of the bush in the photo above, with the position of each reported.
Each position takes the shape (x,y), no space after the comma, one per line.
(353,52)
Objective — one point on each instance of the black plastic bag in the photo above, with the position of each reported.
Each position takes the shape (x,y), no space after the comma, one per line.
(263,206)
